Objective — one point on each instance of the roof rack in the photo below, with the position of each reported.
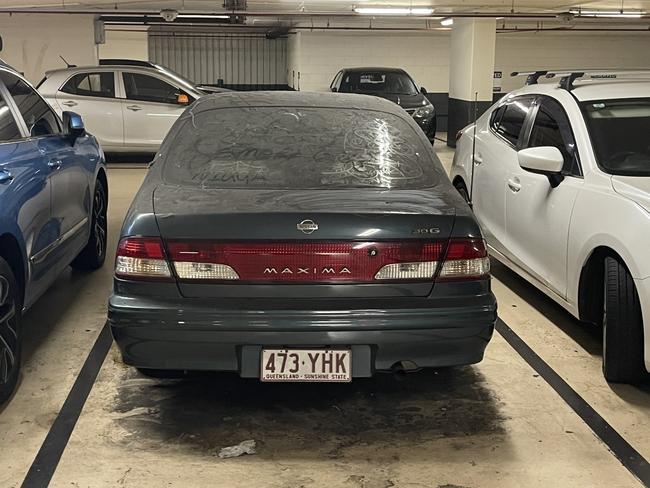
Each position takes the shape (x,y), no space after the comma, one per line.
(568,77)
(125,62)
(531,76)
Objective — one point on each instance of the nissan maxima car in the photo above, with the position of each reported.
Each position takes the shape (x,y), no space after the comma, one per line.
(299,237)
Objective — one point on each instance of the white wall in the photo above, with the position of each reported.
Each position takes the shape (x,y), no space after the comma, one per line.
(526,52)
(33,42)
(319,55)
(323,54)
(129,44)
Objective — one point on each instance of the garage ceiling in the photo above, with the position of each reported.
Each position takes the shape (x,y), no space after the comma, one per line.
(329,6)
(285,15)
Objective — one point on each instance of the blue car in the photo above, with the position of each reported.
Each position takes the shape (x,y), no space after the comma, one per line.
(53,200)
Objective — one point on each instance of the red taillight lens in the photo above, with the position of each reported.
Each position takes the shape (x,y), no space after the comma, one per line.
(141,258)
(361,262)
(465,259)
(307,261)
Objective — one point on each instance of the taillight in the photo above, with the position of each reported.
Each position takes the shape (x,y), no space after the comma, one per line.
(141,258)
(307,261)
(465,259)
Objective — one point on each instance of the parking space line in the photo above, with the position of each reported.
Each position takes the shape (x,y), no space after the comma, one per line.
(626,454)
(47,459)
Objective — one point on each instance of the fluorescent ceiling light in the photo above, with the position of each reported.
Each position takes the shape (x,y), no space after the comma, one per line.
(447,22)
(615,14)
(202,16)
(393,11)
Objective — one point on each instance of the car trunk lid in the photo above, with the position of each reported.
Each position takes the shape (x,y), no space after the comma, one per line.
(278,241)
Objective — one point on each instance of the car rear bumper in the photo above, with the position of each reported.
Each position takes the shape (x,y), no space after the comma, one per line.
(162,335)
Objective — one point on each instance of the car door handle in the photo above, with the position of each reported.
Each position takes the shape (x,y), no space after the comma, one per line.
(54,164)
(515,186)
(478,159)
(5,176)
(69,103)
(134,108)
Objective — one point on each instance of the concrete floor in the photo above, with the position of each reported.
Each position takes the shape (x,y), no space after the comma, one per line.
(495,424)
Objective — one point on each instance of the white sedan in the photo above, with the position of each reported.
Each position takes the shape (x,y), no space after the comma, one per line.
(128,105)
(561,188)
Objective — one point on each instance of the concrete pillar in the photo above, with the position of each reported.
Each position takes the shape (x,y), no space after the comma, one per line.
(471,71)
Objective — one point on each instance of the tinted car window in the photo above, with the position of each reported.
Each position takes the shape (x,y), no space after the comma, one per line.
(39,117)
(149,89)
(8,127)
(298,148)
(512,119)
(378,82)
(552,128)
(91,84)
(619,133)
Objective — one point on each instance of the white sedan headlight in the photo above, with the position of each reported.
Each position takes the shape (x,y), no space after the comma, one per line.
(423,112)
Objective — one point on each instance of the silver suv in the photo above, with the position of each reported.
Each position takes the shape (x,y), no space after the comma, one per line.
(128,105)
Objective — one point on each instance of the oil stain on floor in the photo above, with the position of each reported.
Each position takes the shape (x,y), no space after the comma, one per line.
(206,412)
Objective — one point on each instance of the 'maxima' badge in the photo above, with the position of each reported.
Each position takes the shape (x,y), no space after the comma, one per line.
(307,226)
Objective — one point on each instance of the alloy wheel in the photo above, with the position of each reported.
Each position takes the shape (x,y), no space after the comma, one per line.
(8,332)
(99,217)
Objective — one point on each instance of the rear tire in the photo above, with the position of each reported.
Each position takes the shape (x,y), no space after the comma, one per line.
(10,331)
(622,326)
(161,373)
(93,255)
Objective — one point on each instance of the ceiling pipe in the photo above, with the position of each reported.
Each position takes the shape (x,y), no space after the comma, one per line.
(284,13)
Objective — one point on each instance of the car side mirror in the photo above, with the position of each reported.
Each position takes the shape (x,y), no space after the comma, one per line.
(423,91)
(545,160)
(73,125)
(334,89)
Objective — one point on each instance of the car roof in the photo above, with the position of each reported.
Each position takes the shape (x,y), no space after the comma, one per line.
(375,69)
(105,67)
(126,62)
(296,99)
(593,90)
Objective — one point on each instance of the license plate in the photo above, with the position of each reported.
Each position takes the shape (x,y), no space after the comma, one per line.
(317,365)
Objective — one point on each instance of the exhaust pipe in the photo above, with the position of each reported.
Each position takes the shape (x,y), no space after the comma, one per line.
(401,368)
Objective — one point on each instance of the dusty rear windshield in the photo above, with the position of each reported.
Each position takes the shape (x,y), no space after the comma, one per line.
(298,148)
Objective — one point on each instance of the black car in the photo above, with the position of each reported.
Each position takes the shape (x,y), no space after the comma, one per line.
(299,237)
(393,84)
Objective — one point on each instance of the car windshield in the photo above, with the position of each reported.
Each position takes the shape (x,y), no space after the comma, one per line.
(390,82)
(298,148)
(619,133)
(180,79)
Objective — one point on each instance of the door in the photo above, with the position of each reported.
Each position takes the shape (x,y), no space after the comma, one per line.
(537,215)
(24,190)
(66,170)
(151,107)
(92,95)
(495,158)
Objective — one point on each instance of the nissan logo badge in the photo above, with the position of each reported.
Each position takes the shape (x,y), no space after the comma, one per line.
(307,226)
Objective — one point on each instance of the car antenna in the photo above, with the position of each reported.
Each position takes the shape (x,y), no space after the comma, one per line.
(471,181)
(67,64)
